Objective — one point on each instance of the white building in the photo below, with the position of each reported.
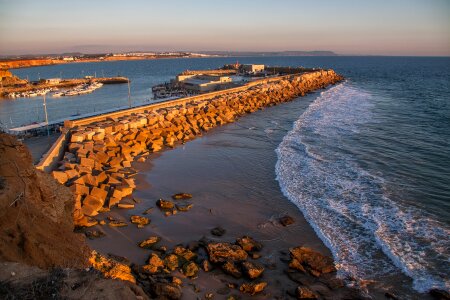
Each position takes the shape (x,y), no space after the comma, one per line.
(203,83)
(251,68)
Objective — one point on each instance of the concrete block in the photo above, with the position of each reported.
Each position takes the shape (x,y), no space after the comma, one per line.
(79,189)
(60,176)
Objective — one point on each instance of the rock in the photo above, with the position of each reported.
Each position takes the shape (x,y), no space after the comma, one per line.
(125,205)
(150,242)
(230,268)
(165,204)
(255,255)
(117,223)
(184,207)
(252,270)
(182,196)
(295,264)
(253,288)
(171,262)
(312,261)
(140,221)
(286,220)
(190,269)
(94,234)
(91,206)
(85,221)
(232,285)
(439,294)
(206,266)
(187,254)
(60,176)
(218,231)
(99,193)
(167,291)
(221,252)
(79,189)
(177,281)
(162,249)
(155,264)
(248,244)
(209,296)
(87,162)
(111,268)
(302,292)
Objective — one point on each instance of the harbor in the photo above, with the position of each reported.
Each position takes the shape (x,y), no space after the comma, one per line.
(61,87)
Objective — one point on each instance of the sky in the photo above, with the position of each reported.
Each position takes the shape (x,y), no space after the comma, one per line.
(347,27)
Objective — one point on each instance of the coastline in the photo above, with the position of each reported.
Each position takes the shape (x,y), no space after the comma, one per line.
(29,63)
(234,150)
(311,271)
(230,172)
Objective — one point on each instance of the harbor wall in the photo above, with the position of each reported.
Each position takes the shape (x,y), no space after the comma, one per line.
(181,101)
(51,158)
(97,153)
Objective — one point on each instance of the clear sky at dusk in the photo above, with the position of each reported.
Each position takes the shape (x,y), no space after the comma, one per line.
(383,27)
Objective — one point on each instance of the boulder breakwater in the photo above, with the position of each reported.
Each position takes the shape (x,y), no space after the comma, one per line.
(97,162)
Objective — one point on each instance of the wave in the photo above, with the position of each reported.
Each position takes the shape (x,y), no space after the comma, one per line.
(370,234)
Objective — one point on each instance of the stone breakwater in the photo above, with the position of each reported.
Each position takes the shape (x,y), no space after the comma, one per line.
(97,162)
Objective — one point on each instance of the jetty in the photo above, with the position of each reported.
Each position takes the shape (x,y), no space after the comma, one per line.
(93,155)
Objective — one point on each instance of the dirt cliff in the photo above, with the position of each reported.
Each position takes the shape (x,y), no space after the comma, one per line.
(36,226)
(24,63)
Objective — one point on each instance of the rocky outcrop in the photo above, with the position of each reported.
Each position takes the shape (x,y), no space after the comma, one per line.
(41,256)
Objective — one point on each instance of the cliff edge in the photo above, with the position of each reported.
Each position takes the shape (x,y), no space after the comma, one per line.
(36,226)
(40,255)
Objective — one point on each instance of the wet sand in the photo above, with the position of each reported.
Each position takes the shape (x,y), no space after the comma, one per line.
(231,173)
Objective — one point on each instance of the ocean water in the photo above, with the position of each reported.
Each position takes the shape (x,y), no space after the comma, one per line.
(368,162)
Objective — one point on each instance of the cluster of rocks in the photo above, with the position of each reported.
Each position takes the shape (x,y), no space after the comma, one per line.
(163,274)
(97,164)
(168,271)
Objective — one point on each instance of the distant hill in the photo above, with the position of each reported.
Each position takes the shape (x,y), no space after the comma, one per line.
(270,53)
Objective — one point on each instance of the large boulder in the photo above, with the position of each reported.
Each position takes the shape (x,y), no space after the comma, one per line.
(222,252)
(306,259)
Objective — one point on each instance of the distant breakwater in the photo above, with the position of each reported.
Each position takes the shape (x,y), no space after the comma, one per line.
(98,152)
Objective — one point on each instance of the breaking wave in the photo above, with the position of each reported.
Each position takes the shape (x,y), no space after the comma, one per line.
(370,234)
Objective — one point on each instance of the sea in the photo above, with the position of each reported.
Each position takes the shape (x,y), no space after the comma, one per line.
(367,162)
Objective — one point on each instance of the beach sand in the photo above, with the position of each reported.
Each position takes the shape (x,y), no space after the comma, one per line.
(230,171)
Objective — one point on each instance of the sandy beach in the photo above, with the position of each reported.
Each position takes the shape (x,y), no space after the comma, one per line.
(230,173)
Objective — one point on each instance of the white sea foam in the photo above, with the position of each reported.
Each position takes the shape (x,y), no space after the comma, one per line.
(369,234)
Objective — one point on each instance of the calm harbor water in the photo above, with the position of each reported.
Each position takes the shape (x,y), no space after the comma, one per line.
(368,162)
